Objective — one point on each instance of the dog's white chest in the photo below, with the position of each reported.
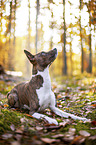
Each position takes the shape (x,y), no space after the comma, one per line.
(44,93)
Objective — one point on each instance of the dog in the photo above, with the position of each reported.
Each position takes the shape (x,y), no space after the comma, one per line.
(37,95)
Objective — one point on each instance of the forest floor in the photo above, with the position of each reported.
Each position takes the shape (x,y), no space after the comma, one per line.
(76,95)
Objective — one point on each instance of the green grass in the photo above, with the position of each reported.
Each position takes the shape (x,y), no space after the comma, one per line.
(8,117)
(83,99)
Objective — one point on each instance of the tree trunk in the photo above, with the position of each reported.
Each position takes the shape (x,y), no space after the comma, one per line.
(51,40)
(10,60)
(37,13)
(90,49)
(82,52)
(64,49)
(29,28)
(90,54)
(28,73)
(71,51)
(14,23)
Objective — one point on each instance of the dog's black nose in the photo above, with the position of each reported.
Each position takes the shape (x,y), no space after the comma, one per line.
(55,49)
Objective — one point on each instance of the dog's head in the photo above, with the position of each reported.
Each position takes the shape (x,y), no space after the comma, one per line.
(43,59)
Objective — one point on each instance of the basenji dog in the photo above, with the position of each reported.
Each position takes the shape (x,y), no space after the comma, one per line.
(37,95)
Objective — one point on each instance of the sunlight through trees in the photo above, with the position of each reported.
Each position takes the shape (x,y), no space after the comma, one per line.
(38,25)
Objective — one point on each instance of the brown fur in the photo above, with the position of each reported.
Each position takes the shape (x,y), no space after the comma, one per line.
(25,93)
(39,60)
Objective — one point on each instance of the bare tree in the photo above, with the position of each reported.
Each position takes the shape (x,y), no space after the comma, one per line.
(81,44)
(90,47)
(37,13)
(64,49)
(15,4)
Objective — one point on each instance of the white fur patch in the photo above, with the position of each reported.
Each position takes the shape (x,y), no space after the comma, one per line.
(47,99)
(44,93)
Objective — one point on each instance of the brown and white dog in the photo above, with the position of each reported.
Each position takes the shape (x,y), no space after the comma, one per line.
(36,95)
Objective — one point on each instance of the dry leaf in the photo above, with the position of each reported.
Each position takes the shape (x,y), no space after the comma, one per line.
(6,105)
(84,133)
(29,115)
(23,120)
(39,128)
(7,135)
(18,137)
(59,96)
(78,140)
(20,131)
(68,138)
(58,136)
(92,137)
(51,127)
(72,129)
(64,122)
(15,143)
(94,105)
(48,140)
(92,128)
(12,126)
(93,122)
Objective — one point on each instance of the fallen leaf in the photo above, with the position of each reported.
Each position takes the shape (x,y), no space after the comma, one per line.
(23,120)
(94,105)
(18,137)
(93,122)
(92,137)
(48,140)
(59,96)
(64,123)
(6,105)
(39,128)
(68,138)
(20,131)
(29,115)
(47,124)
(72,131)
(7,135)
(78,140)
(92,128)
(84,133)
(15,143)
(1,104)
(12,126)
(51,127)
(58,136)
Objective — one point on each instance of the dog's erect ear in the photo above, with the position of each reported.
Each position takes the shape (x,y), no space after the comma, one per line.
(30,57)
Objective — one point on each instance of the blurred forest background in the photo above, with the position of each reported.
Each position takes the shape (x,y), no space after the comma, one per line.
(36,25)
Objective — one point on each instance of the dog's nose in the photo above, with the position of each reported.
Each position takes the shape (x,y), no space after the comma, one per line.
(55,49)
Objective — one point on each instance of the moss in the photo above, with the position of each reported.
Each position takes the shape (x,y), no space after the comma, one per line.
(92,115)
(7,118)
(84,126)
(79,126)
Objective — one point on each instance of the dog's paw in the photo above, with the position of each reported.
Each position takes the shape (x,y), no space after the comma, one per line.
(51,120)
(86,120)
(83,119)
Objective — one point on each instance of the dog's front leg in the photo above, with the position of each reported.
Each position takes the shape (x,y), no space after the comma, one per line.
(42,116)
